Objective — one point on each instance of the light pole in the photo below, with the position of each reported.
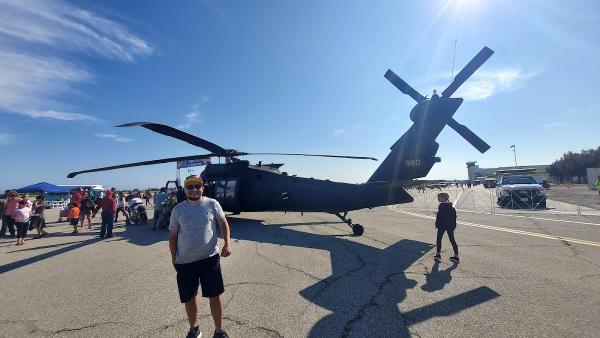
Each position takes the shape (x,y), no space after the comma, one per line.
(515,153)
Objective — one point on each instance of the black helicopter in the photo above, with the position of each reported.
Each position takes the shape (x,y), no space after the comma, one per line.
(242,187)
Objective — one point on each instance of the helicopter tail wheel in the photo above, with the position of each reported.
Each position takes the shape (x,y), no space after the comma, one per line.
(358,229)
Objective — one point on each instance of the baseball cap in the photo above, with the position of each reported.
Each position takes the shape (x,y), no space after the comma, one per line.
(193,179)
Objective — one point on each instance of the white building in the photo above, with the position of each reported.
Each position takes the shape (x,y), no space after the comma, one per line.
(474,171)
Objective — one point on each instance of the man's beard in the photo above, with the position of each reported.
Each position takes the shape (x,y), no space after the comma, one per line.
(194,198)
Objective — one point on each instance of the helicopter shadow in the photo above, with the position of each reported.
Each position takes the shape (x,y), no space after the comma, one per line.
(366,284)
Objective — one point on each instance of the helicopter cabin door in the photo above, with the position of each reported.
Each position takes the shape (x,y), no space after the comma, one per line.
(227,193)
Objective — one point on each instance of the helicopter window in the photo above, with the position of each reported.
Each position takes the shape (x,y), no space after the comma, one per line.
(220,189)
(230,189)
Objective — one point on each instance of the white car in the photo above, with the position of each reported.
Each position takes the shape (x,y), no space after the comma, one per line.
(521,192)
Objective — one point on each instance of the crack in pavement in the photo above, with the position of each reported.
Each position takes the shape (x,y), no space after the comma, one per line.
(568,245)
(238,285)
(331,280)
(347,329)
(87,327)
(589,276)
(261,329)
(32,328)
(291,268)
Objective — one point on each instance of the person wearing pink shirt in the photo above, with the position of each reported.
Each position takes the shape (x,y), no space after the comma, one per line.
(22,215)
(8,220)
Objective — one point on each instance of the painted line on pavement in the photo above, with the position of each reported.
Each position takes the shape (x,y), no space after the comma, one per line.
(528,217)
(458,197)
(514,231)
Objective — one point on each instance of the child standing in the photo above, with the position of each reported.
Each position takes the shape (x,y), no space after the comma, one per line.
(22,215)
(74,216)
(445,221)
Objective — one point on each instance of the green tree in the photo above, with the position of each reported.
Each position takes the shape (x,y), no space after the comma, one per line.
(574,164)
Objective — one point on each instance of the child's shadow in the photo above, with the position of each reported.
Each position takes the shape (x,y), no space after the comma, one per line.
(436,279)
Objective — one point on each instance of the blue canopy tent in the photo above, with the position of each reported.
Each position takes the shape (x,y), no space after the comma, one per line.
(44,187)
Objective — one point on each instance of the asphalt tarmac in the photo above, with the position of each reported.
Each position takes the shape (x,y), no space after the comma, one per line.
(293,275)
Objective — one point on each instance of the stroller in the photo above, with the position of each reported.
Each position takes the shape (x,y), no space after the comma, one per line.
(137,214)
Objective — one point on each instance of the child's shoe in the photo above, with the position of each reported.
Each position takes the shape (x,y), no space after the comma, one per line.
(455,259)
(437,257)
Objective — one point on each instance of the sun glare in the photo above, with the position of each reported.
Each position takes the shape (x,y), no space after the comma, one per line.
(467,6)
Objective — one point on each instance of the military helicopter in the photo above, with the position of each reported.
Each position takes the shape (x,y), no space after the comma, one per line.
(242,187)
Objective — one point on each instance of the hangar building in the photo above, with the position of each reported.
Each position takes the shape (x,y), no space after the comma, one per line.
(474,171)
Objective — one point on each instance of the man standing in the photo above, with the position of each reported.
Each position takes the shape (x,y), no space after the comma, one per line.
(159,198)
(195,253)
(109,207)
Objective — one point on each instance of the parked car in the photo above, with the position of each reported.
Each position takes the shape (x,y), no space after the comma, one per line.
(520,192)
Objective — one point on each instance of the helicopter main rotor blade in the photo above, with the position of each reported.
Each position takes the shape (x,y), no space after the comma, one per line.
(137,164)
(403,86)
(315,155)
(468,70)
(181,135)
(469,135)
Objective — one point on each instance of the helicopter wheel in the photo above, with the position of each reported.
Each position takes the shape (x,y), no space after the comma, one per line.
(358,229)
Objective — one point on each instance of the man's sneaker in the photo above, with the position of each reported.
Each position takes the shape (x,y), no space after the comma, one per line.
(437,257)
(455,259)
(221,334)
(194,333)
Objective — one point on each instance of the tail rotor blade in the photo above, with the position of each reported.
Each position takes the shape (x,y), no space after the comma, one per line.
(403,86)
(469,69)
(468,135)
(137,164)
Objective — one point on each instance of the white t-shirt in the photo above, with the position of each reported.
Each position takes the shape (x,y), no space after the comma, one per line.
(196,224)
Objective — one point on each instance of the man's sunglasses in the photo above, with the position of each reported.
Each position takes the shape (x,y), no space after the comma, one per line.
(194,186)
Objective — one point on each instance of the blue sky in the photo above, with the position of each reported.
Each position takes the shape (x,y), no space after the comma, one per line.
(286,76)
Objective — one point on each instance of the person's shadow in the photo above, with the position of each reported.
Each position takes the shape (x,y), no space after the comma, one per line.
(437,279)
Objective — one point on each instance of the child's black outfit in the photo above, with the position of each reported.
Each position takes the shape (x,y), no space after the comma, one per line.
(445,221)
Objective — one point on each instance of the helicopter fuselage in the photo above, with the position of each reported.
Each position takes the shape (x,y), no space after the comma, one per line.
(239,186)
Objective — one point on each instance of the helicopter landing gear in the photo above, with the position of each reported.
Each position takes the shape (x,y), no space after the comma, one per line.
(357,229)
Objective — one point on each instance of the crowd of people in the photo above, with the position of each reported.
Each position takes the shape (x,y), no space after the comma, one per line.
(192,221)
(20,214)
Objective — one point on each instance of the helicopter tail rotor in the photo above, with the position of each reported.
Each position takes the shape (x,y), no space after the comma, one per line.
(445,99)
(403,86)
(469,135)
(468,70)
